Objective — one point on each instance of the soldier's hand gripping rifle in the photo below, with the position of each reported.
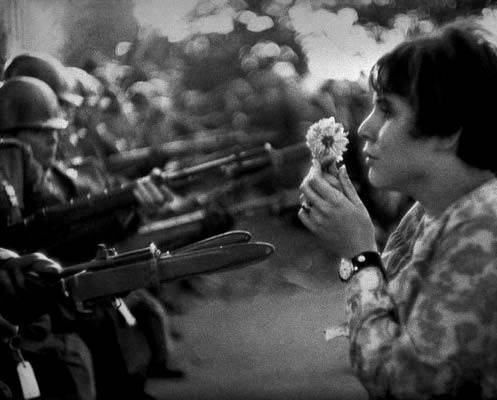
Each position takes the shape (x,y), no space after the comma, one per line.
(57,223)
(113,275)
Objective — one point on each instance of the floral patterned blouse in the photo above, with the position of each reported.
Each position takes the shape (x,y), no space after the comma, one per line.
(431,330)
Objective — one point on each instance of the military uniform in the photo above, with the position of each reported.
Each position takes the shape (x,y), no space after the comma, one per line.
(113,342)
(81,238)
(23,188)
(121,351)
(61,361)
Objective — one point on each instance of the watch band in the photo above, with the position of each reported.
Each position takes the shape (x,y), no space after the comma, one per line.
(368,259)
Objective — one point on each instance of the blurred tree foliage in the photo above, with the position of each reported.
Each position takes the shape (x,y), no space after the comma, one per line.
(222,60)
(94,27)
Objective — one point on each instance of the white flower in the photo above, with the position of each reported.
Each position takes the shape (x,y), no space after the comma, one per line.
(327,140)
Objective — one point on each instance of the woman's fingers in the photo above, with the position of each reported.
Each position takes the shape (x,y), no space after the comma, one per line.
(323,190)
(332,180)
(312,199)
(305,217)
(348,187)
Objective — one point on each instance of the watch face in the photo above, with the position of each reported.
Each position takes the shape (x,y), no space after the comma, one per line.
(346,269)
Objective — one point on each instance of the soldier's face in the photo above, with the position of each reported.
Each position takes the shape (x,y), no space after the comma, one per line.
(43,143)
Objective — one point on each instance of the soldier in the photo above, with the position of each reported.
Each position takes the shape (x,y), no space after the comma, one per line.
(40,354)
(51,71)
(29,112)
(94,137)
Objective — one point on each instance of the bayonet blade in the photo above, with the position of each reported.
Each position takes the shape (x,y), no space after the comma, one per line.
(213,259)
(223,239)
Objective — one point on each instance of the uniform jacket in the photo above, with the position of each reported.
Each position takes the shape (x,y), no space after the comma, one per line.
(23,186)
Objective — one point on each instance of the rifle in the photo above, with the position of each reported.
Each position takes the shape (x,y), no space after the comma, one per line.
(43,227)
(112,275)
(180,229)
(138,162)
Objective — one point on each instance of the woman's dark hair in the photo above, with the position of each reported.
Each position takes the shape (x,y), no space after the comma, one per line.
(449,78)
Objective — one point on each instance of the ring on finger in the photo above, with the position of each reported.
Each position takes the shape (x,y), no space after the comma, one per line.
(306,207)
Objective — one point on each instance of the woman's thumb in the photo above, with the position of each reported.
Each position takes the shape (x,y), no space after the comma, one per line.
(347,186)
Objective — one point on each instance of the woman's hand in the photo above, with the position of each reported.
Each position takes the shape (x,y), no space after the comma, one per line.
(334,212)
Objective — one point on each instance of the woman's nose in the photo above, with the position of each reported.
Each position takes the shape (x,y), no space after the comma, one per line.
(367,130)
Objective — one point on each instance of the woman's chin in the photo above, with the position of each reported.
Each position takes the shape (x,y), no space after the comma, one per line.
(376,180)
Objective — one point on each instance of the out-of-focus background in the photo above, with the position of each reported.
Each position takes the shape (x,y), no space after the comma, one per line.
(237,74)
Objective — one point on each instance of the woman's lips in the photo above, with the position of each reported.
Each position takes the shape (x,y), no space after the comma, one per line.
(370,159)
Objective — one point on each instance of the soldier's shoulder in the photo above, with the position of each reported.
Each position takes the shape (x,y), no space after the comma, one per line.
(15,149)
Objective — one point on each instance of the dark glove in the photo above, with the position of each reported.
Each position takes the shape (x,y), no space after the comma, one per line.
(25,291)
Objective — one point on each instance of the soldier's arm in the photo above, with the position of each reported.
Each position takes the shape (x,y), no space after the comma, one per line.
(24,292)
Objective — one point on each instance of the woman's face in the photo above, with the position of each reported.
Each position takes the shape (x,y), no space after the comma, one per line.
(43,143)
(396,161)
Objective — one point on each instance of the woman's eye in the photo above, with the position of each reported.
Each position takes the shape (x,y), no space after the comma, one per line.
(385,110)
(384,107)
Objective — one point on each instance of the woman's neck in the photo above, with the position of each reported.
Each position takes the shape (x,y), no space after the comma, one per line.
(443,189)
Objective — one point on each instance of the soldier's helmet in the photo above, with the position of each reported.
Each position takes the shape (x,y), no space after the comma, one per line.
(29,103)
(49,70)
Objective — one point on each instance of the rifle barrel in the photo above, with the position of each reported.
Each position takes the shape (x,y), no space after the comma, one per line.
(231,166)
(176,177)
(136,160)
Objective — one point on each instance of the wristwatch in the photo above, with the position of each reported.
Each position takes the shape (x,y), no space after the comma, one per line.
(350,267)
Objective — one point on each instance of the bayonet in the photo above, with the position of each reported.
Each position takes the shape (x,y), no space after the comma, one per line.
(119,275)
(223,239)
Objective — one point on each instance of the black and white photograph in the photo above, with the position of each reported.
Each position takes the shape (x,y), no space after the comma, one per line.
(248,199)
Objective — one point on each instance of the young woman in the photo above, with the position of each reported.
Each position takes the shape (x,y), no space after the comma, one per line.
(423,315)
